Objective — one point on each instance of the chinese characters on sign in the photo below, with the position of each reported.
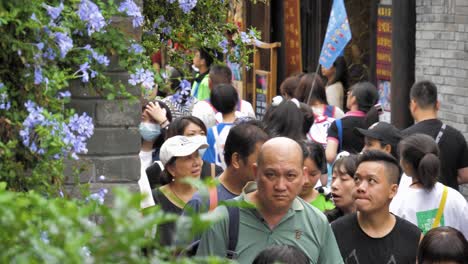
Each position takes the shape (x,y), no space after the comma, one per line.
(292,38)
(384,57)
(384,43)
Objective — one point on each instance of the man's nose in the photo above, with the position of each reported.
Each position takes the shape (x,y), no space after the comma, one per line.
(280,184)
(361,186)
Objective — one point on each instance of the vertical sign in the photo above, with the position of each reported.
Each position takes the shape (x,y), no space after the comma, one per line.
(292,38)
(384,58)
(261,93)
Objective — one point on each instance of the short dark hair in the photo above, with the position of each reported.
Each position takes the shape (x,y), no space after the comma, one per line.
(443,244)
(224,98)
(366,95)
(284,254)
(289,86)
(421,153)
(178,125)
(348,163)
(391,165)
(207,55)
(220,74)
(318,91)
(424,93)
(242,139)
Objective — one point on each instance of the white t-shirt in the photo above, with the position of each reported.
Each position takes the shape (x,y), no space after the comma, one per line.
(335,94)
(205,111)
(420,207)
(143,182)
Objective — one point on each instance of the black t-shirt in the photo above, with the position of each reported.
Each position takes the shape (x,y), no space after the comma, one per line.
(165,232)
(352,142)
(397,247)
(452,145)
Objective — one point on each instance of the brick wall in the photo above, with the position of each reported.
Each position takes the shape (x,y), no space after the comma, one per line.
(442,57)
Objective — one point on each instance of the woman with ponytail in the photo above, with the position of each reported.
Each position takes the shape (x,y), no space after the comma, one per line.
(427,203)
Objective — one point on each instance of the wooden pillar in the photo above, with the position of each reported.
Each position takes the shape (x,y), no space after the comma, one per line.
(403,55)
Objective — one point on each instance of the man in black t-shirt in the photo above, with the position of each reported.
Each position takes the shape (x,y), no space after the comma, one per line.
(373,234)
(453,147)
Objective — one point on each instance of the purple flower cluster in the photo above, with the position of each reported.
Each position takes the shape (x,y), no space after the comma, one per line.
(137,48)
(245,38)
(223,44)
(90,13)
(4,103)
(182,96)
(84,70)
(187,5)
(65,94)
(166,30)
(132,10)
(143,77)
(159,21)
(38,78)
(99,196)
(53,12)
(64,42)
(101,59)
(73,135)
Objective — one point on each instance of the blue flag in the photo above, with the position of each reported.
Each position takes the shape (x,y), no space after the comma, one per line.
(337,36)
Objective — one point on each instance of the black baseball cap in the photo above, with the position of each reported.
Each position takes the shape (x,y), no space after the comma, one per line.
(383,131)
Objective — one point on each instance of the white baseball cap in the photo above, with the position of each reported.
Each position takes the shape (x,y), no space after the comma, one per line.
(181,146)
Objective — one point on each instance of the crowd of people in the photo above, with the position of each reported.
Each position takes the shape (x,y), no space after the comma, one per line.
(325,181)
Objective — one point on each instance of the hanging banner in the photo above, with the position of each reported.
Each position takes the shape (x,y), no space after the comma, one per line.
(337,36)
(384,58)
(292,31)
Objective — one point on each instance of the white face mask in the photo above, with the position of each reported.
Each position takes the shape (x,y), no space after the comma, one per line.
(149,131)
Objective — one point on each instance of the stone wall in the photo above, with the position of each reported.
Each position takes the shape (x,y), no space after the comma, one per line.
(113,148)
(442,57)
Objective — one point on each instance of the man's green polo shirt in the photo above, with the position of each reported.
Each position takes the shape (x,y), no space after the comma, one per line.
(304,227)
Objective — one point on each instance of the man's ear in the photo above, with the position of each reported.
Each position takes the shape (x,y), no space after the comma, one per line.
(413,105)
(255,169)
(393,190)
(235,160)
(388,148)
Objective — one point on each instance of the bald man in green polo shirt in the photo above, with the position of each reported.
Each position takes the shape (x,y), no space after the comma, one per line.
(280,217)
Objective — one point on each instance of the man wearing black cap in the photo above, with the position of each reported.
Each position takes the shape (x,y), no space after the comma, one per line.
(384,137)
(381,136)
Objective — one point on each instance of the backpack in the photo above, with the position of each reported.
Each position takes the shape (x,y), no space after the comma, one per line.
(318,131)
(220,140)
